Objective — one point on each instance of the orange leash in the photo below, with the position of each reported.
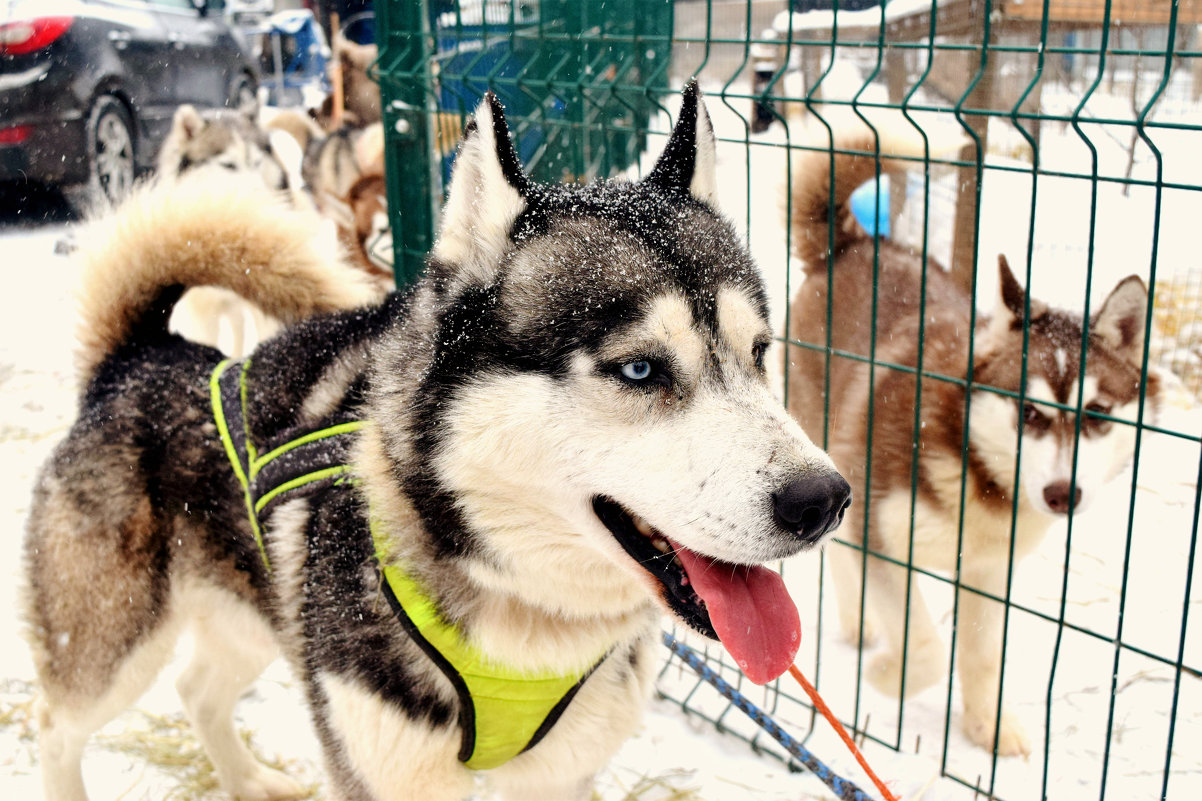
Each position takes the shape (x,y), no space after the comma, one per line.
(821,706)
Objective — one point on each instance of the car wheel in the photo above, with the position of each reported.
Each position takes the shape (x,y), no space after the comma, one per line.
(243,96)
(111,150)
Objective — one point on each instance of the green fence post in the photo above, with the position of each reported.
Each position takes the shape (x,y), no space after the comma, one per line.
(406,47)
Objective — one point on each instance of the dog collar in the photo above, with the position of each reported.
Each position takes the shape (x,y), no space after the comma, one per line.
(503,711)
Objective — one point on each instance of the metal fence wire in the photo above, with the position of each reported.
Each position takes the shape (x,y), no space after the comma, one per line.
(1062,133)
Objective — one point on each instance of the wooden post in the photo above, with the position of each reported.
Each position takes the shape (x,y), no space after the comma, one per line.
(964,235)
(896,78)
(337,101)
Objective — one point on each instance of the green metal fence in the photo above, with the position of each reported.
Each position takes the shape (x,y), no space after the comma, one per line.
(580,81)
(1082,126)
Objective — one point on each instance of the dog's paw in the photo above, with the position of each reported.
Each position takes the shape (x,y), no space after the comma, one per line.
(1012,737)
(923,670)
(850,627)
(267,784)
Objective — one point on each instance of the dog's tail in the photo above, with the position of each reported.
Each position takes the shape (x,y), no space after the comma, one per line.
(824,179)
(207,229)
(301,127)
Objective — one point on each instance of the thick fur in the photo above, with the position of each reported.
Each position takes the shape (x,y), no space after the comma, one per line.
(194,232)
(360,93)
(300,126)
(229,141)
(364,228)
(344,174)
(1055,463)
(499,410)
(333,162)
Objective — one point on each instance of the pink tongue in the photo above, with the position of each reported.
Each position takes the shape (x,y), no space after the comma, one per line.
(751,611)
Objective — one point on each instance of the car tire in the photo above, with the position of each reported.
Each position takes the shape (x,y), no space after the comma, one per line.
(243,94)
(112,151)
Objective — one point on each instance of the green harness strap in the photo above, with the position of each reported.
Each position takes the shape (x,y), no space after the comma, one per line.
(504,710)
(511,709)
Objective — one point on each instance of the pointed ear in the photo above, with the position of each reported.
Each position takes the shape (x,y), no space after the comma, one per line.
(688,160)
(1121,321)
(1010,313)
(1013,296)
(488,192)
(188,122)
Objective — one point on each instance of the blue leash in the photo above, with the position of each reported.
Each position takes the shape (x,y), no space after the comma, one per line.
(844,789)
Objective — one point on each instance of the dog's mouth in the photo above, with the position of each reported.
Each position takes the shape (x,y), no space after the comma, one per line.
(746,607)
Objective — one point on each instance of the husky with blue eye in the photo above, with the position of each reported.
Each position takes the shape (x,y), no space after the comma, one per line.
(959,465)
(459,513)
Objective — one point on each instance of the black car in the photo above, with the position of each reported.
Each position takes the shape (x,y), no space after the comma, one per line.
(88,88)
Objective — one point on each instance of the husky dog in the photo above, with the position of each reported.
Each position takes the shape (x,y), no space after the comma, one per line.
(485,489)
(364,228)
(360,94)
(224,138)
(1061,472)
(233,141)
(332,162)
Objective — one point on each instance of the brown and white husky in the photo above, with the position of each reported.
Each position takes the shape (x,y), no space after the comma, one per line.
(970,439)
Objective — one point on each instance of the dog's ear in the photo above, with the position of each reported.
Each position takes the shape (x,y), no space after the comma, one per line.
(187,122)
(1120,322)
(1014,297)
(488,192)
(688,160)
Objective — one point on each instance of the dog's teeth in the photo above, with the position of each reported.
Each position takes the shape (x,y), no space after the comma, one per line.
(643,527)
(661,544)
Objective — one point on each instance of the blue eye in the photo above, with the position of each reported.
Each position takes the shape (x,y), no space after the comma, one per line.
(637,371)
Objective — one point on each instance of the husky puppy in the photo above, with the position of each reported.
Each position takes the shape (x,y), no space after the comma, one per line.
(487,488)
(1061,472)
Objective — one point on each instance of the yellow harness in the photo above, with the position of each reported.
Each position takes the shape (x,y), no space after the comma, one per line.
(503,711)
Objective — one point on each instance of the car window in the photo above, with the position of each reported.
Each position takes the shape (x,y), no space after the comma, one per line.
(177,4)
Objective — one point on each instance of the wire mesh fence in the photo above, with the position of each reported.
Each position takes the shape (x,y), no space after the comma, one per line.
(1063,134)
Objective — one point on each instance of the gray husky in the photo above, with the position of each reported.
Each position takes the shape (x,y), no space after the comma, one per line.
(458,513)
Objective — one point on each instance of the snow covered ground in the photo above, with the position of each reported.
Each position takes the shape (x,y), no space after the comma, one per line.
(147,754)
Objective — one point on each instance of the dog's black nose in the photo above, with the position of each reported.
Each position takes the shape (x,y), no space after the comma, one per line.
(811,506)
(1061,497)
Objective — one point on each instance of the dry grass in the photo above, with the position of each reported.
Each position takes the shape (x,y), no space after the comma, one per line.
(168,744)
(664,787)
(16,709)
(1177,338)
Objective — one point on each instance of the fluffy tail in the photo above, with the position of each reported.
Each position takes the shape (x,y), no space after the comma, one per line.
(821,192)
(207,229)
(300,127)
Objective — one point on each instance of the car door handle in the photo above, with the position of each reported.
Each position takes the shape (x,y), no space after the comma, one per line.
(120,39)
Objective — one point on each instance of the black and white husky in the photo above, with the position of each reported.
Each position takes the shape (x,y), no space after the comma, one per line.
(458,513)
